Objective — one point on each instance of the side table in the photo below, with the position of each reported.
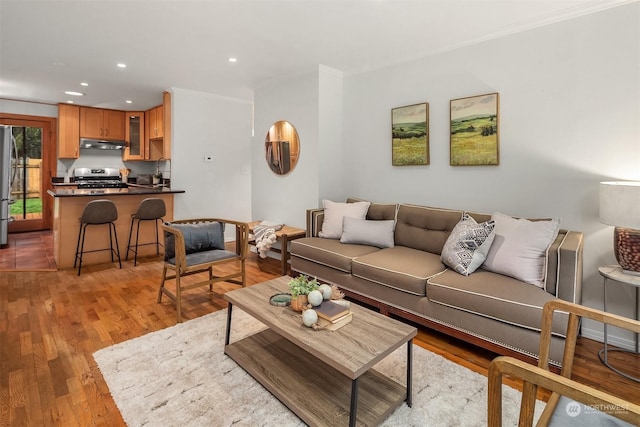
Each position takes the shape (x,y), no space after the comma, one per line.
(284,236)
(614,273)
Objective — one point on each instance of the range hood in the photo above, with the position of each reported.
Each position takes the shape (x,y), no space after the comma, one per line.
(100,144)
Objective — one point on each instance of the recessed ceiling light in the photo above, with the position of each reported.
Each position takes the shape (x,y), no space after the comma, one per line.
(69,102)
(128,101)
(121,65)
(72,93)
(84,84)
(232,59)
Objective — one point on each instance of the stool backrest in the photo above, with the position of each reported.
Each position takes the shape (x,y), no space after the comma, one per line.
(151,208)
(99,212)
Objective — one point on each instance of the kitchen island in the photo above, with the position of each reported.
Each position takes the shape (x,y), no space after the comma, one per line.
(68,204)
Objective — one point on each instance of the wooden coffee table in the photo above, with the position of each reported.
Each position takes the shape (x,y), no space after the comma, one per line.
(324,377)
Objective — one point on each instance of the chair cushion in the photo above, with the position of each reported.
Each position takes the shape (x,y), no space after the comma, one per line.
(198,237)
(205,257)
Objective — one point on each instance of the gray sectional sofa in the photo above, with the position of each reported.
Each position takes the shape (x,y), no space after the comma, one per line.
(408,279)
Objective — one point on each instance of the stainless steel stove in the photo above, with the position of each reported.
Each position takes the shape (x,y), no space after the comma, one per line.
(98,178)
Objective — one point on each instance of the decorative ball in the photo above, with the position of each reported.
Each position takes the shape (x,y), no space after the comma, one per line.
(326,291)
(309,318)
(315,298)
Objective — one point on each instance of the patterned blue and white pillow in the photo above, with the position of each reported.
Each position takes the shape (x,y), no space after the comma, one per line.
(466,248)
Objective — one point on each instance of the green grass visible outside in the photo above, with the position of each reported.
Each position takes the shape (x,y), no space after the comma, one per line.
(33,206)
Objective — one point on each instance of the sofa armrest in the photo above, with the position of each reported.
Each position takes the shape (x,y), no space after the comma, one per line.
(570,267)
(314,221)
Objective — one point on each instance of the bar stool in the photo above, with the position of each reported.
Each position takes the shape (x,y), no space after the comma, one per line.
(151,209)
(97,212)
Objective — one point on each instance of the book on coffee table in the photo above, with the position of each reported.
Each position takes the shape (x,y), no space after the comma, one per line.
(329,310)
(335,324)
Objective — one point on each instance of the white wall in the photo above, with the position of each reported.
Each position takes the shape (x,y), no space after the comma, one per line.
(284,198)
(569,118)
(220,127)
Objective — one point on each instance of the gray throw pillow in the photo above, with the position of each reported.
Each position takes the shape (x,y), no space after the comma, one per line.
(466,248)
(198,237)
(367,232)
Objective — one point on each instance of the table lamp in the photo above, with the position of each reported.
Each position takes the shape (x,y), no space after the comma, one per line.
(620,206)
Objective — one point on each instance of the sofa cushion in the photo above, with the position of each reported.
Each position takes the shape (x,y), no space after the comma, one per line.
(334,213)
(378,211)
(401,268)
(519,249)
(467,246)
(329,252)
(494,296)
(425,228)
(367,232)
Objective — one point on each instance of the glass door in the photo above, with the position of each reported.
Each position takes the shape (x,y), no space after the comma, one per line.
(32,207)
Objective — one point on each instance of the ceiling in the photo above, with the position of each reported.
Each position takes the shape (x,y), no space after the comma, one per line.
(49,47)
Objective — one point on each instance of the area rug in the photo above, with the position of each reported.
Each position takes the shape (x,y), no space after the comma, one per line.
(180,376)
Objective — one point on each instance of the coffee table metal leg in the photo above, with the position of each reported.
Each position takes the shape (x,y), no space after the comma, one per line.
(354,403)
(228,331)
(409,371)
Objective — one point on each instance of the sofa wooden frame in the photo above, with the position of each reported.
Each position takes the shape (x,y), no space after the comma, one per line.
(181,268)
(559,384)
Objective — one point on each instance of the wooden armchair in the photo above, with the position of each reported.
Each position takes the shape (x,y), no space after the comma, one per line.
(576,403)
(196,246)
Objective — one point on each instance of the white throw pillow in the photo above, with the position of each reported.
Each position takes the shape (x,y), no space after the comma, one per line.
(334,213)
(377,233)
(520,247)
(468,244)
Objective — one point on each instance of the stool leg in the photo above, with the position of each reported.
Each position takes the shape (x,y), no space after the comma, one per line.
(115,234)
(126,258)
(83,232)
(78,245)
(157,238)
(135,255)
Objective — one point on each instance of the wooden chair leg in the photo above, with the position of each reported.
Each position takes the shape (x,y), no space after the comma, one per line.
(178,298)
(164,277)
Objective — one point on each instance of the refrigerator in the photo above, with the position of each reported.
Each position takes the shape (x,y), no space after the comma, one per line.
(7,175)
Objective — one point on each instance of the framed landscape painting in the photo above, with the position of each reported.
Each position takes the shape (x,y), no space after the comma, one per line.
(474,131)
(410,135)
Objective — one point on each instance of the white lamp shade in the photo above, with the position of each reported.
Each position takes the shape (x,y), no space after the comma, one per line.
(620,204)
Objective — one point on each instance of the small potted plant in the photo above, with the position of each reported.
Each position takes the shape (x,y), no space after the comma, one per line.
(300,288)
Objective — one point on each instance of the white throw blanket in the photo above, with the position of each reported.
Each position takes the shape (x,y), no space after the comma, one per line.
(265,235)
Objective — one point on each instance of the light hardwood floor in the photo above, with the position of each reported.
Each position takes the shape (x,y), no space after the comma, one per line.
(52,322)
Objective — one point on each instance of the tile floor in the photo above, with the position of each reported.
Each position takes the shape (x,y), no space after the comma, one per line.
(31,251)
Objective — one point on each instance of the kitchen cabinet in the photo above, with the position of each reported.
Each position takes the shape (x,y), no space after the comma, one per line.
(156,122)
(158,128)
(135,136)
(68,131)
(98,123)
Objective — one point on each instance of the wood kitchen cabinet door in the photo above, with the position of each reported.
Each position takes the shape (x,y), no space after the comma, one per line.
(102,124)
(68,131)
(114,124)
(156,122)
(135,131)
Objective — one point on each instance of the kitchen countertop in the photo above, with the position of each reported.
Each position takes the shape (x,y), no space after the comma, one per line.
(131,191)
